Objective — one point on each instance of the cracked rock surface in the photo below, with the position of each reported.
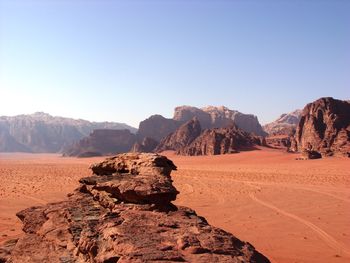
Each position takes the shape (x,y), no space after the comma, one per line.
(123,213)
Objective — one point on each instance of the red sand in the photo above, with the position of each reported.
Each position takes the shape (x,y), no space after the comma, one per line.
(291,211)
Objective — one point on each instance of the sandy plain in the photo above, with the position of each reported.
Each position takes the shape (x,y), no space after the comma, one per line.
(290,210)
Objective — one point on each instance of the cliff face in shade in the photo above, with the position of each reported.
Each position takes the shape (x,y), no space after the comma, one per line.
(123,213)
(41,132)
(157,127)
(324,128)
(221,141)
(147,145)
(284,125)
(102,142)
(182,137)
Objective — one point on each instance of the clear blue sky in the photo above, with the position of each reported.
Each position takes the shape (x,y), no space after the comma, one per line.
(126,60)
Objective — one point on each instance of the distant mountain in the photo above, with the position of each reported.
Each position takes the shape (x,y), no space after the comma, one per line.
(221,141)
(182,137)
(102,142)
(157,127)
(285,124)
(219,117)
(41,132)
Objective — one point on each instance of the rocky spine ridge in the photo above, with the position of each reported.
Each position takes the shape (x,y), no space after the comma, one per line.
(123,213)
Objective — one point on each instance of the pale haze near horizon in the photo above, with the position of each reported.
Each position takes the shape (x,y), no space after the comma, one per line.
(126,60)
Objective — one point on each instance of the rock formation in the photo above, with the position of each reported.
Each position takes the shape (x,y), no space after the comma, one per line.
(123,213)
(41,132)
(284,125)
(146,146)
(221,141)
(102,142)
(157,127)
(324,128)
(186,113)
(219,117)
(278,141)
(182,137)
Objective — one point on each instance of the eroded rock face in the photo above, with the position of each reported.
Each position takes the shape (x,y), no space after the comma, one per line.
(324,127)
(157,127)
(147,145)
(100,224)
(135,163)
(219,117)
(221,141)
(182,137)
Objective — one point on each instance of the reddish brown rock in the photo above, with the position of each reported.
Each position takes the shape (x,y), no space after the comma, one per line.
(182,137)
(278,141)
(324,128)
(219,117)
(135,163)
(221,141)
(96,226)
(157,127)
(147,145)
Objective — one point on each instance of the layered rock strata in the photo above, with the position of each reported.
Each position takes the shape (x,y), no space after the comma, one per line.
(123,213)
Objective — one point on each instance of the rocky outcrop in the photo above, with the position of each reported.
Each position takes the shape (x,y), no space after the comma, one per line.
(102,142)
(278,141)
(157,127)
(41,132)
(186,113)
(126,216)
(219,117)
(147,145)
(324,128)
(284,125)
(221,141)
(182,137)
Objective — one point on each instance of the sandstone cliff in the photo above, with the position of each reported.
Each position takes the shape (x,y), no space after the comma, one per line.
(147,145)
(123,213)
(324,128)
(182,137)
(219,117)
(221,141)
(157,127)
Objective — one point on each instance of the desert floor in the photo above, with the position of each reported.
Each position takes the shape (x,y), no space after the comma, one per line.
(290,210)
